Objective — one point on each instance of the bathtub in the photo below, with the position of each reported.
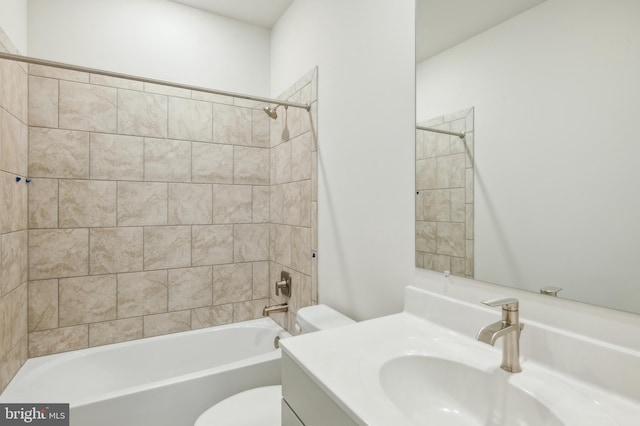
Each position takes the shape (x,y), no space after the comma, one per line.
(160,381)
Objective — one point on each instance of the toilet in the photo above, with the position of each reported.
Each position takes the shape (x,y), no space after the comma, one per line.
(265,401)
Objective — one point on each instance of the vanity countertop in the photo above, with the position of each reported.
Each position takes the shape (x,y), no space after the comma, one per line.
(346,363)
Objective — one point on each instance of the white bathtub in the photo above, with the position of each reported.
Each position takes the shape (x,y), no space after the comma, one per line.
(160,381)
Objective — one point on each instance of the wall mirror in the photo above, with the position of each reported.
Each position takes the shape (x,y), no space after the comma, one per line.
(554,88)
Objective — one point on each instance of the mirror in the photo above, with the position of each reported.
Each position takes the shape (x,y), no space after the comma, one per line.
(555,91)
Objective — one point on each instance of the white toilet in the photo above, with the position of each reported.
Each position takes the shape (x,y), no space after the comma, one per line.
(265,401)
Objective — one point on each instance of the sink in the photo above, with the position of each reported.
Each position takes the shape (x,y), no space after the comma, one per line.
(435,391)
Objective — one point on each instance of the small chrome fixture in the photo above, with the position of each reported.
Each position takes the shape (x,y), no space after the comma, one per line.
(551,291)
(271,111)
(284,285)
(283,307)
(509,328)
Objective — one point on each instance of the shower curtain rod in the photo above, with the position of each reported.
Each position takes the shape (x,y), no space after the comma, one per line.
(36,61)
(446,132)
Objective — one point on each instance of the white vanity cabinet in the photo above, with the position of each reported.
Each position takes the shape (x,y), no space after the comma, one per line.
(304,402)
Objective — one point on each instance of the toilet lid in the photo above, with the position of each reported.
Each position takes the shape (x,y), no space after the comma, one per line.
(259,406)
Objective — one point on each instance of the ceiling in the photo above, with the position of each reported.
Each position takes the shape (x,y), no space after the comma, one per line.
(452,21)
(264,13)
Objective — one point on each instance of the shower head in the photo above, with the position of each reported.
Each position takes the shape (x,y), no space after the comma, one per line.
(271,111)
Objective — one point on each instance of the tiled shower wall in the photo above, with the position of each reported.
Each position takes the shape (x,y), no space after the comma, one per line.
(13,215)
(293,242)
(444,195)
(149,209)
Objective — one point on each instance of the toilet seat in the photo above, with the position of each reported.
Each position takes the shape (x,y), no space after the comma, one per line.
(259,406)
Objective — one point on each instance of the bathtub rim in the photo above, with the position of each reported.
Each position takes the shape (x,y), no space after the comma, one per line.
(43,363)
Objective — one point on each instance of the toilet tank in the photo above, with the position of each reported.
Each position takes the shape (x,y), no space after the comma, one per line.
(320,317)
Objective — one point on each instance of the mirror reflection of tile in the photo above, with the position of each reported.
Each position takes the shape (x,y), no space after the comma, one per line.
(444,195)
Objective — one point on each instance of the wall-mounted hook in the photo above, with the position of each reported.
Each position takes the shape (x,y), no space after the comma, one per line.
(27,181)
(18,178)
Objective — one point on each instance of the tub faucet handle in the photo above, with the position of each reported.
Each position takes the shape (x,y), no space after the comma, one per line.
(284,284)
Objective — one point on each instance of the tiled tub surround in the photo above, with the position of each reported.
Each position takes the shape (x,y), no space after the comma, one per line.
(444,195)
(13,214)
(150,209)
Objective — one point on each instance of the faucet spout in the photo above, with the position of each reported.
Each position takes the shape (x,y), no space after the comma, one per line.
(509,329)
(283,307)
(492,332)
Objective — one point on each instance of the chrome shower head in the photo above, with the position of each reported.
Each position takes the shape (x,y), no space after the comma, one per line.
(271,111)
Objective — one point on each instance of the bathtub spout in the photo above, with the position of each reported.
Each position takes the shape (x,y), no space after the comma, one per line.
(283,307)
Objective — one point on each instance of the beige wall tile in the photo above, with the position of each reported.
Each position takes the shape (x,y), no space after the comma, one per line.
(261,282)
(437,262)
(232,204)
(457,205)
(190,120)
(458,266)
(212,163)
(43,203)
(469,265)
(190,288)
(437,144)
(172,322)
(469,221)
(283,243)
(301,157)
(260,204)
(260,129)
(190,203)
(113,250)
(291,203)
(87,299)
(142,293)
(250,242)
(43,305)
(142,114)
(5,325)
(142,203)
(47,260)
(13,202)
(14,260)
(116,157)
(58,340)
(276,203)
(11,363)
(14,87)
(301,249)
(167,160)
(212,244)
(300,292)
(450,239)
(420,205)
(211,97)
(167,247)
(469,185)
(166,90)
(451,171)
(211,316)
(231,125)
(281,163)
(105,333)
(18,313)
(469,156)
(87,107)
(232,283)
(426,236)
(43,102)
(251,165)
(252,309)
(426,174)
(58,153)
(15,144)
(305,203)
(87,203)
(437,205)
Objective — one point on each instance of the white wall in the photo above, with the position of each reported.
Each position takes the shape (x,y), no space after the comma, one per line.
(13,21)
(366,116)
(557,100)
(152,38)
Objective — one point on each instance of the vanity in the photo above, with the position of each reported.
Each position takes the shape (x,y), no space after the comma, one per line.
(425,366)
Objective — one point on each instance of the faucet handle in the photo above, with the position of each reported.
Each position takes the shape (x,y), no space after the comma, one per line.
(508,304)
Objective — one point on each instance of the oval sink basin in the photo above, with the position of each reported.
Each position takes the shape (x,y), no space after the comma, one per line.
(435,391)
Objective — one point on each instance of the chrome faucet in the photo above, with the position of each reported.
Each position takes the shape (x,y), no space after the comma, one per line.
(509,328)
(283,307)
